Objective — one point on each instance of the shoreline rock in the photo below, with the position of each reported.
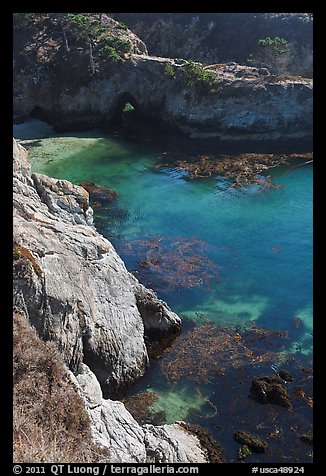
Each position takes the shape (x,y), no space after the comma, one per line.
(73,286)
(128,442)
(75,290)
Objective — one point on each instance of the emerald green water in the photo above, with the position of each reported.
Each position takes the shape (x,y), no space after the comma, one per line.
(256,247)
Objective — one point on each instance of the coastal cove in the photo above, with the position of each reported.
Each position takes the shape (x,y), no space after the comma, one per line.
(235,263)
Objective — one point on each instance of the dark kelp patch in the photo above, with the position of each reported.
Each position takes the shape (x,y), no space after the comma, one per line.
(209,351)
(207,441)
(139,405)
(241,170)
(169,263)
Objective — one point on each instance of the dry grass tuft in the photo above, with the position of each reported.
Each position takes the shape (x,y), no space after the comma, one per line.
(50,422)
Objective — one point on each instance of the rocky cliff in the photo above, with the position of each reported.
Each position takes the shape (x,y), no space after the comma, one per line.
(221,102)
(74,287)
(75,290)
(223,37)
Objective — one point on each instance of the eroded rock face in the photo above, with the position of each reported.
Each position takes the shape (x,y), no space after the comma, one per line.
(128,442)
(76,291)
(156,314)
(71,283)
(243,103)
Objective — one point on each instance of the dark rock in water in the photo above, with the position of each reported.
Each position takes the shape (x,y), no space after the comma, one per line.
(251,441)
(270,389)
(307,438)
(285,375)
(99,192)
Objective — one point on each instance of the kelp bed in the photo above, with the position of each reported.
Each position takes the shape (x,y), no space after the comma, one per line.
(170,263)
(209,351)
(243,169)
(215,367)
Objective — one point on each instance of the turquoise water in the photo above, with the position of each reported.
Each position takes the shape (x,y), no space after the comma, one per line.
(252,251)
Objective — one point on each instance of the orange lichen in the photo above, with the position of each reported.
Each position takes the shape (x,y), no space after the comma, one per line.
(20,252)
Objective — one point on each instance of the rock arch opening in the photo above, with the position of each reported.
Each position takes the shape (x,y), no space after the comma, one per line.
(126,110)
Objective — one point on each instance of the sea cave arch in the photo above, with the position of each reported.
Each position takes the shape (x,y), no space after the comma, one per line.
(126,109)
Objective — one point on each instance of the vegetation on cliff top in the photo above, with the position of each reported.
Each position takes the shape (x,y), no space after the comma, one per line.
(93,35)
(223,37)
(50,422)
(194,74)
(273,53)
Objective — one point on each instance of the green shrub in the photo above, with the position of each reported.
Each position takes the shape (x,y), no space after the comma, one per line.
(170,70)
(122,46)
(272,53)
(196,73)
(122,26)
(108,53)
(277,45)
(114,48)
(79,20)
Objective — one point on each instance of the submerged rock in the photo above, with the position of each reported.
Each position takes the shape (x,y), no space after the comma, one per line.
(270,389)
(285,375)
(251,441)
(99,193)
(73,286)
(307,438)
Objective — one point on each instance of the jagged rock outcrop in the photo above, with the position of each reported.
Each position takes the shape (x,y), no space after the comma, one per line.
(114,428)
(243,103)
(73,286)
(157,318)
